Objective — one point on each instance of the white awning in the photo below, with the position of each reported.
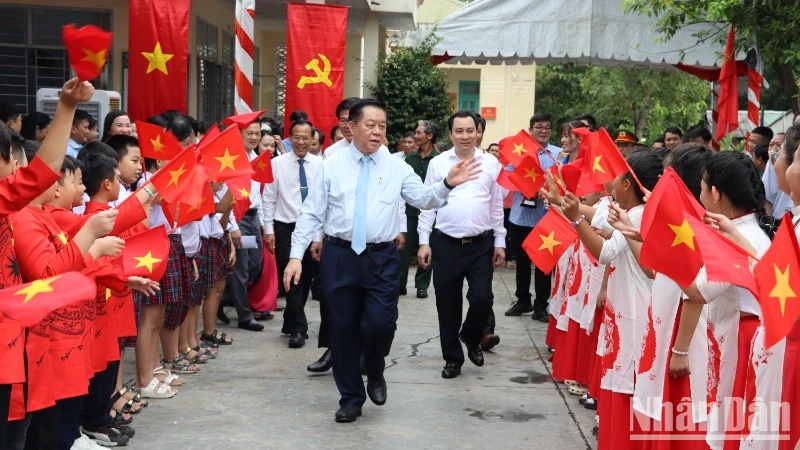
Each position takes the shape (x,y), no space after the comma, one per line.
(596,32)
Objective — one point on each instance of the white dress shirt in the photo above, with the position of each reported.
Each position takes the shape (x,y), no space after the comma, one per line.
(255,192)
(472,208)
(190,237)
(343,143)
(332,197)
(282,198)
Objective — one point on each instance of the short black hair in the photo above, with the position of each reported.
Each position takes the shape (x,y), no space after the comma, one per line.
(346,104)
(300,123)
(5,142)
(31,148)
(320,135)
(97,148)
(763,131)
(96,169)
(121,143)
(67,166)
(761,151)
(170,114)
(80,116)
(32,121)
(408,134)
(659,139)
(75,161)
(463,114)
(701,132)
(647,165)
(688,161)
(297,115)
(333,132)
(180,127)
(481,122)
(541,117)
(157,120)
(195,126)
(9,112)
(674,130)
(589,118)
(357,110)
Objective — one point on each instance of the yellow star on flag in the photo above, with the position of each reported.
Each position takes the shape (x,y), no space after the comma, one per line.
(243,192)
(146,261)
(36,288)
(782,289)
(597,167)
(549,242)
(108,293)
(519,149)
(531,173)
(157,145)
(176,175)
(226,160)
(260,165)
(683,234)
(62,237)
(98,59)
(157,59)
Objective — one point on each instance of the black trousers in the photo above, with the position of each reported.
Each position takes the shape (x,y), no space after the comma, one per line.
(5,403)
(247,269)
(324,338)
(454,260)
(70,421)
(96,410)
(542,282)
(43,431)
(510,253)
(362,293)
(294,315)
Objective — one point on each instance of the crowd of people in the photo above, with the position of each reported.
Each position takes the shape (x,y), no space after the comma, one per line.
(78,194)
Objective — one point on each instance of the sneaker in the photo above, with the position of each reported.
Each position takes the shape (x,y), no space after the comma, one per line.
(84,443)
(107,437)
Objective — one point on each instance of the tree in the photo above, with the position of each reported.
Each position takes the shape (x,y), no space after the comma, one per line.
(645,101)
(768,23)
(412,88)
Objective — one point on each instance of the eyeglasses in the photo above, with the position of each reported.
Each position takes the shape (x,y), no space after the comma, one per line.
(540,128)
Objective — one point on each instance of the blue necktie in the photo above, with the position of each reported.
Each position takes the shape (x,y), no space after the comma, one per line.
(303,181)
(359,243)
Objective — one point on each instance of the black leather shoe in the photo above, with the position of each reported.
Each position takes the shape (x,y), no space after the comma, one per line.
(403,291)
(348,414)
(222,317)
(451,370)
(518,309)
(474,352)
(251,325)
(422,293)
(296,340)
(323,364)
(541,316)
(376,389)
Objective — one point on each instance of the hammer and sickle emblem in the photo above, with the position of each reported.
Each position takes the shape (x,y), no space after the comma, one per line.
(321,75)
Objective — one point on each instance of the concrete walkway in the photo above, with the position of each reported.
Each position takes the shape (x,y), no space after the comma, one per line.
(257,393)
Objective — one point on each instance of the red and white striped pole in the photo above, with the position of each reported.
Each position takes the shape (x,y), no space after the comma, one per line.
(243,56)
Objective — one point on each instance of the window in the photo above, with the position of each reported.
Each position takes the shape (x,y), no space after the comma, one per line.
(208,73)
(469,96)
(32,55)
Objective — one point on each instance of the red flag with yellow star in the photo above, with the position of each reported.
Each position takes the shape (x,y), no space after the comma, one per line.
(725,262)
(146,253)
(605,160)
(158,56)
(778,279)
(243,120)
(87,49)
(514,149)
(527,176)
(503,180)
(262,168)
(209,136)
(156,143)
(669,244)
(548,240)
(29,303)
(225,156)
(172,180)
(240,188)
(183,212)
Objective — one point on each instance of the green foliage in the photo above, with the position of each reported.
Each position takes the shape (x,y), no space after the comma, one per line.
(412,89)
(768,23)
(644,101)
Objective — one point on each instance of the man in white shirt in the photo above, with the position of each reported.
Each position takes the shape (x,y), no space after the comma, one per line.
(248,260)
(80,132)
(343,113)
(406,146)
(293,173)
(468,241)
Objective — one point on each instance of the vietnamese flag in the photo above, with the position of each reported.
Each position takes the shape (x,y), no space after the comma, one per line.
(172,180)
(209,136)
(225,156)
(146,254)
(605,159)
(158,56)
(262,168)
(240,189)
(778,279)
(571,176)
(548,240)
(560,186)
(514,149)
(29,303)
(181,213)
(728,100)
(527,176)
(585,185)
(725,262)
(669,244)
(503,180)
(316,36)
(87,48)
(156,143)
(243,120)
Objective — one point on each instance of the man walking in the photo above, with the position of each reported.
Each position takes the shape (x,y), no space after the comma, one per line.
(354,198)
(468,242)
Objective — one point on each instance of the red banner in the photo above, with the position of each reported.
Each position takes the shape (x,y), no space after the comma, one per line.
(158,57)
(315,51)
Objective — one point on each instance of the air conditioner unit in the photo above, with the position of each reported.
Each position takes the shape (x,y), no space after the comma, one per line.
(99,106)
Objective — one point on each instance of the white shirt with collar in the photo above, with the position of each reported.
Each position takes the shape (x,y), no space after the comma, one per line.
(331,198)
(282,198)
(255,192)
(342,143)
(73,148)
(472,208)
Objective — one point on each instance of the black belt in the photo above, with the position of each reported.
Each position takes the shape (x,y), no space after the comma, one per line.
(347,244)
(465,240)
